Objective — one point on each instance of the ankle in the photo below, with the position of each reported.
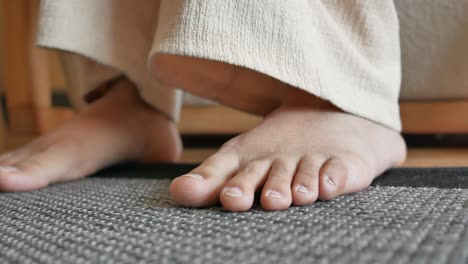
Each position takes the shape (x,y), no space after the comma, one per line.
(162,143)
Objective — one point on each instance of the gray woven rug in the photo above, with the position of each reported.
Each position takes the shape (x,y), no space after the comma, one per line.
(123,220)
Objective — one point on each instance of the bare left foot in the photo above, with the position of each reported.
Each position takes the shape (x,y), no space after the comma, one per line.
(303,151)
(117,127)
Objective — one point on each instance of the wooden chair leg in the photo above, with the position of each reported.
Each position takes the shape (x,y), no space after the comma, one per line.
(24,65)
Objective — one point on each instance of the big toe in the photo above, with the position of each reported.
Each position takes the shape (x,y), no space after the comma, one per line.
(201,186)
(11,180)
(35,168)
(21,177)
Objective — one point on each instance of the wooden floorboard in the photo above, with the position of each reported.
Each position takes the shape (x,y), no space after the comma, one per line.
(426,117)
(417,157)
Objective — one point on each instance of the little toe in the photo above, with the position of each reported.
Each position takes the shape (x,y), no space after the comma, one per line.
(341,176)
(276,194)
(305,187)
(239,192)
(201,186)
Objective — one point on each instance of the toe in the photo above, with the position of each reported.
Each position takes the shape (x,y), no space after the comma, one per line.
(342,175)
(22,176)
(14,156)
(39,169)
(9,180)
(305,187)
(333,175)
(239,192)
(201,187)
(276,194)
(5,156)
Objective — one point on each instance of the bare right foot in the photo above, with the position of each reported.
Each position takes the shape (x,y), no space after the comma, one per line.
(115,128)
(305,150)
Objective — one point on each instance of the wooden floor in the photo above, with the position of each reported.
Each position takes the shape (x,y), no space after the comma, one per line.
(417,157)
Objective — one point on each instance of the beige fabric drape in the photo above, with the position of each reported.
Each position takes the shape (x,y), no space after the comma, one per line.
(114,37)
(347,52)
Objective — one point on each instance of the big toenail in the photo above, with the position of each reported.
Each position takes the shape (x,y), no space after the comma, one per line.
(273,194)
(232,191)
(329,180)
(8,169)
(194,176)
(301,188)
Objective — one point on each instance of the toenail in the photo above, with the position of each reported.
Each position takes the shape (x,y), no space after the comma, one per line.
(194,176)
(329,180)
(8,169)
(273,194)
(232,191)
(301,188)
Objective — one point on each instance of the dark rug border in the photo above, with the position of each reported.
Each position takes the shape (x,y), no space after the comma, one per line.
(456,177)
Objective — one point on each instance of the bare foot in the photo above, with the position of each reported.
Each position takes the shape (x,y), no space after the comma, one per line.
(303,151)
(117,127)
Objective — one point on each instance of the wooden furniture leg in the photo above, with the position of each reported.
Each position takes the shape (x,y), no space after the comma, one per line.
(24,68)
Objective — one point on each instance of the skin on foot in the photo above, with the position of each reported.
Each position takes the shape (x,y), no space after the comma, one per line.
(303,151)
(117,127)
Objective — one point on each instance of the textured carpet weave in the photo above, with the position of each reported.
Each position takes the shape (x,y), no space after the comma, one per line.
(121,220)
